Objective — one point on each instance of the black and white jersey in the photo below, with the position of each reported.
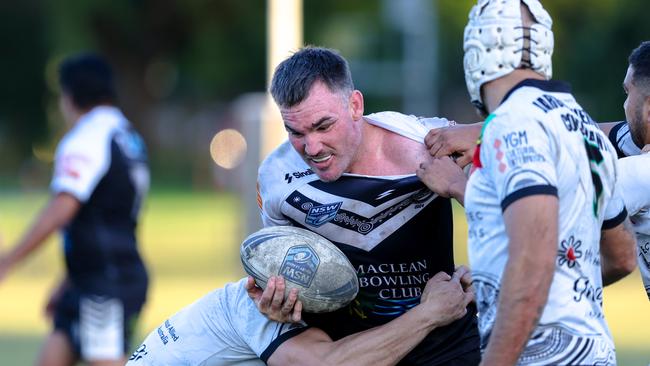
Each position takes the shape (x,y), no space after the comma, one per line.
(394,230)
(633,178)
(540,141)
(102,162)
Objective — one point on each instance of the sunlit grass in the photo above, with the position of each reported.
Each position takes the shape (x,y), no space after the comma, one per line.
(191,243)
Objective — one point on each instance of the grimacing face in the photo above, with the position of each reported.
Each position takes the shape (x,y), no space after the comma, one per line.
(325,129)
(633,107)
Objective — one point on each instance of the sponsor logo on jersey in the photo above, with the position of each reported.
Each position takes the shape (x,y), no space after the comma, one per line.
(319,215)
(585,290)
(569,252)
(499,155)
(299,265)
(139,353)
(289,176)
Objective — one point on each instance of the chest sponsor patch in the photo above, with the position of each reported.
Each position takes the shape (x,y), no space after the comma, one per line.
(319,215)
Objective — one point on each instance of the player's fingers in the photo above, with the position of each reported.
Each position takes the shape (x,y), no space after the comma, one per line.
(431,137)
(290,301)
(297,312)
(267,295)
(441,276)
(469,297)
(646,148)
(278,296)
(253,291)
(464,159)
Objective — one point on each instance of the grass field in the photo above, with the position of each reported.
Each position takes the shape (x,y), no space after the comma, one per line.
(191,244)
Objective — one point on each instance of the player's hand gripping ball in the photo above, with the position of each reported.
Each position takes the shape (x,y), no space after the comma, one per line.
(324,276)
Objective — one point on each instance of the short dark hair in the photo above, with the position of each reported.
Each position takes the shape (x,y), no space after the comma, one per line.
(640,61)
(294,77)
(88,80)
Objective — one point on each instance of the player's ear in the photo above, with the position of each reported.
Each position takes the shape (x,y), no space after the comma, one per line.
(356,105)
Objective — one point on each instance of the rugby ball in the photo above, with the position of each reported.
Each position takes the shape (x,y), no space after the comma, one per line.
(324,276)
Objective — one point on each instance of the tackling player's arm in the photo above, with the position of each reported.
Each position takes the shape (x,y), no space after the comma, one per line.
(444,300)
(444,177)
(59,211)
(457,140)
(617,252)
(532,229)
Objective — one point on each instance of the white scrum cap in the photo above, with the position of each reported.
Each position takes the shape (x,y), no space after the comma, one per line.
(494,43)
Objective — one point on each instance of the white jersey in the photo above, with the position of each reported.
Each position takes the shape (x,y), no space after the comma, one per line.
(633,178)
(222,328)
(540,141)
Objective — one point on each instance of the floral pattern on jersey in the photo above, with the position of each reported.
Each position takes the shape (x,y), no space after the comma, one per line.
(569,252)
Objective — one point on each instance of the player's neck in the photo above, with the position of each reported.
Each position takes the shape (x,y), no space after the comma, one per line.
(383,152)
(494,91)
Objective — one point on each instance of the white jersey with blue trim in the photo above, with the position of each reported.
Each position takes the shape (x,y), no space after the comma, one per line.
(633,179)
(223,328)
(633,183)
(540,141)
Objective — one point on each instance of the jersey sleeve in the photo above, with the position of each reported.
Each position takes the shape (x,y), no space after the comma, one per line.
(621,138)
(262,335)
(270,191)
(79,165)
(519,157)
(633,178)
(269,209)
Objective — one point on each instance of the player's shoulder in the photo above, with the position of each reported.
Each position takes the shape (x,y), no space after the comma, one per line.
(94,129)
(283,167)
(406,125)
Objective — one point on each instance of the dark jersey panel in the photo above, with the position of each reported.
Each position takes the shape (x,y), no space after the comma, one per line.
(416,243)
(100,244)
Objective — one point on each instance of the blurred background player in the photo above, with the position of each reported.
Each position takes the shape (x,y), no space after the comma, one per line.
(546,224)
(100,179)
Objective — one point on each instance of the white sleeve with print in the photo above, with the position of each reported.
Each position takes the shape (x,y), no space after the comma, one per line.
(81,160)
(633,178)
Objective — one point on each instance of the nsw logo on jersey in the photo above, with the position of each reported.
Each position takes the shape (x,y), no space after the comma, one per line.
(319,215)
(300,265)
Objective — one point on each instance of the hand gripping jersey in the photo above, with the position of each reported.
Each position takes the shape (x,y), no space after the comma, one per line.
(223,328)
(102,162)
(396,233)
(633,178)
(540,141)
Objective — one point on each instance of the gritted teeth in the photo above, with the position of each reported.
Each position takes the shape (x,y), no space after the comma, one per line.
(320,159)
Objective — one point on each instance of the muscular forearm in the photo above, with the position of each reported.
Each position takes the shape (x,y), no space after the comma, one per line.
(532,227)
(521,302)
(385,345)
(379,346)
(617,252)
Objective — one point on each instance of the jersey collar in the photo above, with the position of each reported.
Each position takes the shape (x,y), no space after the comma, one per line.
(555,86)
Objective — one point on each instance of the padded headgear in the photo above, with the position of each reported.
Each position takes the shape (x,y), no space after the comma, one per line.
(494,43)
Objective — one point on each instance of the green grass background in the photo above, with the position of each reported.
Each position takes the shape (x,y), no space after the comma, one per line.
(190,242)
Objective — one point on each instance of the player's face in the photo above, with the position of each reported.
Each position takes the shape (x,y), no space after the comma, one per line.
(633,106)
(325,129)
